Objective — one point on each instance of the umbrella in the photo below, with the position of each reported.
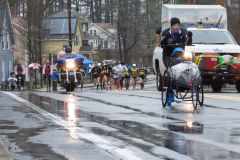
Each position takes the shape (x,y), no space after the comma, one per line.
(34,66)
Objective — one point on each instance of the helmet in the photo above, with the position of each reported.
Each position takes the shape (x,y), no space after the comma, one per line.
(178,49)
(68,49)
(134,65)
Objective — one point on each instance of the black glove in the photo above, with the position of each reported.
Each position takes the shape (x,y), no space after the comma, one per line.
(189,33)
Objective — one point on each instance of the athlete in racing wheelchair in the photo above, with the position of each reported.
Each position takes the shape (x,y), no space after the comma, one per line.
(182,73)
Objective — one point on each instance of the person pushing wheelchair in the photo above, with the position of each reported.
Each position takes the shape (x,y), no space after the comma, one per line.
(172,38)
(173,42)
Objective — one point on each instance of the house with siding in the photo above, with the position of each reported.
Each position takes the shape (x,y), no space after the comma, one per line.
(57,32)
(7,41)
(107,33)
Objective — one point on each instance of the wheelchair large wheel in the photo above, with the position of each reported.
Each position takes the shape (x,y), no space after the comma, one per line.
(195,96)
(201,95)
(165,88)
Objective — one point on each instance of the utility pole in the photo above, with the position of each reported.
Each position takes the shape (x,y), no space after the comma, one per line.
(119,41)
(69,23)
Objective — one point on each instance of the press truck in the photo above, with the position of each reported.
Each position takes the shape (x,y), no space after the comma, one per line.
(214,49)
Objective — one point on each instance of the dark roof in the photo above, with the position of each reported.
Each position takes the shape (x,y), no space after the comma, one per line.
(88,36)
(64,14)
(86,48)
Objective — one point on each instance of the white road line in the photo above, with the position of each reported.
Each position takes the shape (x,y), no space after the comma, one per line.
(82,133)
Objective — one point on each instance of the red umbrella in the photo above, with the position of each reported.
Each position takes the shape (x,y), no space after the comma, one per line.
(34,66)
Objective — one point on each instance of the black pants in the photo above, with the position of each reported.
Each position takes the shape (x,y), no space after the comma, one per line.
(49,79)
(121,81)
(166,60)
(22,80)
(54,85)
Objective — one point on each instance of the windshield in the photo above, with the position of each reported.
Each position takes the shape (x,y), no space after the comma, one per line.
(212,37)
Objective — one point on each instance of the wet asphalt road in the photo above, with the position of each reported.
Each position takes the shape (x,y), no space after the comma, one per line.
(95,125)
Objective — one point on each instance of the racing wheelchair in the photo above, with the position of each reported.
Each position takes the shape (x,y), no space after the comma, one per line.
(183,81)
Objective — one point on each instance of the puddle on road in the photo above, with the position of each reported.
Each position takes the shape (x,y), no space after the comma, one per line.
(129,132)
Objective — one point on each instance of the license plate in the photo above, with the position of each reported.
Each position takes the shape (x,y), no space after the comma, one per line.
(71,73)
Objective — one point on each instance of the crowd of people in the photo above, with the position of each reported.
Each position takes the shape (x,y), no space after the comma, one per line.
(117,76)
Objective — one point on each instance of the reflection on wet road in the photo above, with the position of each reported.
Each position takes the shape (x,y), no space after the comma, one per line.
(136,121)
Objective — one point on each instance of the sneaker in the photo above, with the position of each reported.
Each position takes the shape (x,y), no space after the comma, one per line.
(21,88)
(171,97)
(169,103)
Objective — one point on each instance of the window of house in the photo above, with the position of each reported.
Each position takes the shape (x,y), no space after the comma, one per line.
(102,44)
(83,28)
(7,41)
(95,32)
(116,44)
(91,44)
(2,70)
(3,42)
(105,44)
(86,27)
(10,67)
(91,32)
(76,40)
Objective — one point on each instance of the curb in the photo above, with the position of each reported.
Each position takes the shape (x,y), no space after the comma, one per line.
(4,154)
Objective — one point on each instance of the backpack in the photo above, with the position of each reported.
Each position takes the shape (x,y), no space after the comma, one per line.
(19,69)
(47,70)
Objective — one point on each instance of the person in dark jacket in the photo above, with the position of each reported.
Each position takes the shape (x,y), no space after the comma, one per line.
(96,70)
(174,37)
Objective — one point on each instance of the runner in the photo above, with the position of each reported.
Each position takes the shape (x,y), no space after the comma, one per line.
(142,72)
(126,76)
(134,76)
(120,75)
(116,77)
(106,71)
(101,76)
(96,70)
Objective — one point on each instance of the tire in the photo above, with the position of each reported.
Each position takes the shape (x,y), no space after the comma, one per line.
(195,96)
(68,88)
(165,88)
(238,85)
(201,95)
(158,80)
(72,85)
(216,87)
(81,81)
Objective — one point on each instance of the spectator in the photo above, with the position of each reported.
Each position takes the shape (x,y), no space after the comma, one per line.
(31,77)
(54,79)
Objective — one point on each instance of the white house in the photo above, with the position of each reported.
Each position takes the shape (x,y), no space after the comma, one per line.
(107,33)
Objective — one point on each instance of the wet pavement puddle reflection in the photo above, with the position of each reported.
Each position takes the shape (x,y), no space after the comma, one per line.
(125,129)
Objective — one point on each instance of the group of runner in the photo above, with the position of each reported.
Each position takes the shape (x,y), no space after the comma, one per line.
(113,77)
